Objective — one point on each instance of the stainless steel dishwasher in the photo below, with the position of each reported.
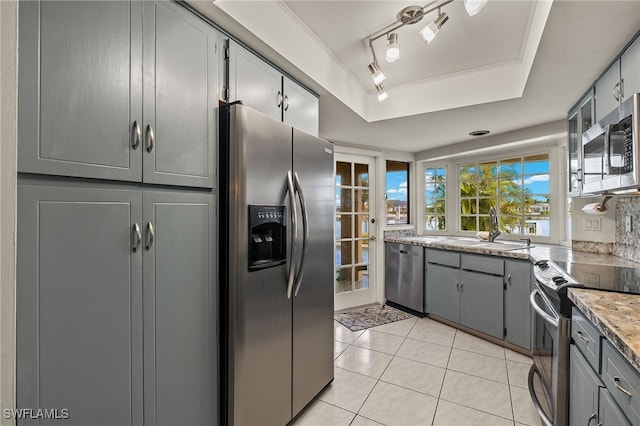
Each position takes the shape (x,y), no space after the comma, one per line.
(404,275)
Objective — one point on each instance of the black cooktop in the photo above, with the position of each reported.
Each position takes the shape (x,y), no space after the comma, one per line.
(604,277)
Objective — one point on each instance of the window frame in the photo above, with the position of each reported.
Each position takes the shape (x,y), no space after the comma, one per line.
(447,185)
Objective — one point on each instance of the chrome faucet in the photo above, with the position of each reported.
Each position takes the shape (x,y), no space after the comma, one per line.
(494,228)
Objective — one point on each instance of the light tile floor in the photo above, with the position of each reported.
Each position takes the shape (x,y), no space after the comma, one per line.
(421,372)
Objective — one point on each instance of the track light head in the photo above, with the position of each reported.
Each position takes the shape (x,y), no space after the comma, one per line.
(473,7)
(382,94)
(377,75)
(430,32)
(393,50)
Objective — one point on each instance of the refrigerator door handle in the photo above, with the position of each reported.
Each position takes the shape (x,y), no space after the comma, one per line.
(294,234)
(305,233)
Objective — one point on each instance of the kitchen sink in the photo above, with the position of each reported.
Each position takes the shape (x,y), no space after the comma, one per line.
(503,245)
(424,239)
(462,242)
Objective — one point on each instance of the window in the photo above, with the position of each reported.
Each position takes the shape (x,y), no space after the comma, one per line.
(519,186)
(435,192)
(397,193)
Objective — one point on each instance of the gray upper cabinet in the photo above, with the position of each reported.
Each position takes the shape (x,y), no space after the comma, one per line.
(179,308)
(630,70)
(262,87)
(608,91)
(80,89)
(517,311)
(79,304)
(83,80)
(580,119)
(301,108)
(180,96)
(254,82)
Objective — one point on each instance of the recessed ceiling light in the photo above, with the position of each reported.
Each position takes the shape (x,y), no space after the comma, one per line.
(479,133)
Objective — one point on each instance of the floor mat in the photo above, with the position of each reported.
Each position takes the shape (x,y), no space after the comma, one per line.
(361,318)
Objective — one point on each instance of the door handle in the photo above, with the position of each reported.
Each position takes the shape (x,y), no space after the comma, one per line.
(607,146)
(294,234)
(616,381)
(136,237)
(286,102)
(137,135)
(305,233)
(616,92)
(279,99)
(372,238)
(150,236)
(581,336)
(592,417)
(151,138)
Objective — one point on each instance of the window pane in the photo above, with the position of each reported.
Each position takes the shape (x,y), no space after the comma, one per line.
(468,206)
(362,201)
(511,224)
(468,223)
(362,174)
(343,226)
(362,277)
(343,253)
(483,223)
(511,168)
(397,190)
(467,172)
(343,173)
(362,251)
(468,189)
(484,204)
(486,170)
(536,184)
(487,187)
(343,200)
(536,226)
(536,164)
(510,205)
(343,280)
(362,226)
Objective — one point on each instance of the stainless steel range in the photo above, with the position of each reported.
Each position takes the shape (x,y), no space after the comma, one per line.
(549,375)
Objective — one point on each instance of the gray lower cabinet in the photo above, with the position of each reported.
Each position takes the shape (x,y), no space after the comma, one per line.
(608,412)
(517,318)
(584,388)
(481,302)
(83,78)
(116,305)
(442,295)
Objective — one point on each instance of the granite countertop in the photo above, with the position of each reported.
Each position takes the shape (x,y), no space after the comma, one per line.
(534,253)
(616,315)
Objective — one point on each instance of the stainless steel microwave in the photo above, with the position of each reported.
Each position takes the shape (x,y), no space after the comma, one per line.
(610,157)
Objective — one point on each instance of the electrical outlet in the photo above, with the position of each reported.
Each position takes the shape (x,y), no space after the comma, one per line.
(593,224)
(628,224)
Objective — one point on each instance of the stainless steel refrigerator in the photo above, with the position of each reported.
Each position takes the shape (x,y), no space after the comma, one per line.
(276,282)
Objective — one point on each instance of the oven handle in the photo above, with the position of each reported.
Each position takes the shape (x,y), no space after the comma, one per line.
(543,416)
(553,321)
(607,147)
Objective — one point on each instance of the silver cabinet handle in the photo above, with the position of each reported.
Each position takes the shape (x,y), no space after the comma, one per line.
(279,99)
(294,234)
(579,175)
(509,279)
(458,285)
(136,237)
(151,138)
(616,380)
(150,236)
(616,92)
(462,286)
(305,232)
(286,102)
(592,417)
(581,336)
(137,135)
(621,88)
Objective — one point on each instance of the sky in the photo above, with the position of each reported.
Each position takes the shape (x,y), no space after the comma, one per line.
(397,186)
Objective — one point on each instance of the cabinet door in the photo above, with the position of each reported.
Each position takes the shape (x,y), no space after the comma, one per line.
(517,311)
(606,91)
(80,89)
(481,302)
(180,96)
(180,313)
(609,414)
(254,82)
(301,107)
(630,70)
(443,298)
(79,304)
(584,386)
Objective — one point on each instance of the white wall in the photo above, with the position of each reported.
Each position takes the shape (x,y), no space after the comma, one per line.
(8,123)
(607,234)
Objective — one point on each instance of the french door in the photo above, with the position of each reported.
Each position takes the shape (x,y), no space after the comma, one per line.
(354,230)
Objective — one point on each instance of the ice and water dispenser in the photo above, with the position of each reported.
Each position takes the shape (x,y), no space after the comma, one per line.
(267,236)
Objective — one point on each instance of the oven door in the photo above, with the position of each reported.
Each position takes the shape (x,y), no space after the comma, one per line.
(549,375)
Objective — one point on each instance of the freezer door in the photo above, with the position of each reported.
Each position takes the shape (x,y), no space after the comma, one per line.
(259,317)
(313,304)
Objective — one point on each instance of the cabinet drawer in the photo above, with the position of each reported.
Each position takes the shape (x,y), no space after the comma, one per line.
(586,338)
(486,264)
(443,257)
(622,381)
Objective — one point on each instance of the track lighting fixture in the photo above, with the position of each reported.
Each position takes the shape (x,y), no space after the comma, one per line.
(377,75)
(382,94)
(393,51)
(408,16)
(430,32)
